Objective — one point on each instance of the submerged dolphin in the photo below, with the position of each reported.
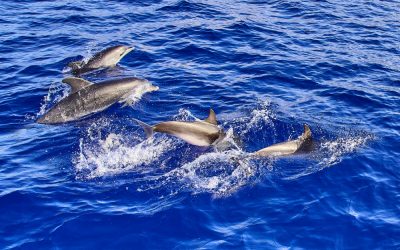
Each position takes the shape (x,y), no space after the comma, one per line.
(87,98)
(303,144)
(199,133)
(103,59)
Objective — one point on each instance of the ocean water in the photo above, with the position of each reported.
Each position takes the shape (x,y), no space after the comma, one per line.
(265,67)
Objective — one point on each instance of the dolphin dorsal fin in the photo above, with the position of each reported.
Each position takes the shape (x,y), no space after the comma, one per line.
(76,83)
(212,118)
(307,132)
(305,142)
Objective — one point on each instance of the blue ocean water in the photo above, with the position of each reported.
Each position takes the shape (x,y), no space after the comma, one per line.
(265,67)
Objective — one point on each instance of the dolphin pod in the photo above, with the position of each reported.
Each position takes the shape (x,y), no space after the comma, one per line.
(86,98)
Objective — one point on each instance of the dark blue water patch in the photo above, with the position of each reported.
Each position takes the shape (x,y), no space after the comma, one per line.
(140,3)
(132,17)
(295,82)
(3,21)
(191,7)
(137,58)
(394,82)
(77,19)
(22,41)
(25,1)
(290,8)
(200,33)
(37,71)
(356,98)
(70,7)
(319,15)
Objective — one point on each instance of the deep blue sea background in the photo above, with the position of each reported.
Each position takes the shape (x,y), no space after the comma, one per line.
(265,67)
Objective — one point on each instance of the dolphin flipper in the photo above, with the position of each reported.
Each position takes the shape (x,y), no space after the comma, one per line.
(147,128)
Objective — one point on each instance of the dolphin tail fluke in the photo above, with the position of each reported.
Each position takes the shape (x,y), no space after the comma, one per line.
(146,127)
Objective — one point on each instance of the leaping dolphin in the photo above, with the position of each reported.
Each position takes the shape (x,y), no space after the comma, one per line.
(87,98)
(303,144)
(199,133)
(103,59)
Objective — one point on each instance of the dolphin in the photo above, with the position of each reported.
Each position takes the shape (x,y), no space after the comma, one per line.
(199,133)
(303,144)
(103,59)
(86,98)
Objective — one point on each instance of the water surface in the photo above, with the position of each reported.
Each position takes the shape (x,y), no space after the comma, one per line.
(266,68)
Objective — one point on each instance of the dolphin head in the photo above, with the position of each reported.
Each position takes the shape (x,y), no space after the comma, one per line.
(134,88)
(108,57)
(121,51)
(151,88)
(146,86)
(133,83)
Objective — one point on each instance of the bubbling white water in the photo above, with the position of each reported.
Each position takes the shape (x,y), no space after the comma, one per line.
(334,150)
(113,155)
(331,152)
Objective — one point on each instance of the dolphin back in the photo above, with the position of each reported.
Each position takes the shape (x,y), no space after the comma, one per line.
(303,144)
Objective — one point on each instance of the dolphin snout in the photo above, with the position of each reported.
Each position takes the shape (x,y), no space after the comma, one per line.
(127,50)
(154,88)
(149,86)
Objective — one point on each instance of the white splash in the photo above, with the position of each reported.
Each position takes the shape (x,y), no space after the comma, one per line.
(90,51)
(114,155)
(218,173)
(185,115)
(334,150)
(56,92)
(263,114)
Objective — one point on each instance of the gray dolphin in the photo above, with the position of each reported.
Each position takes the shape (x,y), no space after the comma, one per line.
(199,133)
(303,144)
(87,98)
(103,59)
